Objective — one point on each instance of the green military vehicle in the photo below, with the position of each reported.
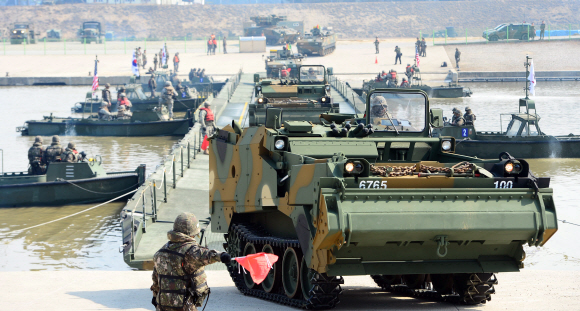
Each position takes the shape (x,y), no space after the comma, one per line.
(520,31)
(373,195)
(302,99)
(53,34)
(283,60)
(317,42)
(23,33)
(268,26)
(91,32)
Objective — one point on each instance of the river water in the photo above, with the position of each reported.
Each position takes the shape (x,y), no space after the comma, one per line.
(91,240)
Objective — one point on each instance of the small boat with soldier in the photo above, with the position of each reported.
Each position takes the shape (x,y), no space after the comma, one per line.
(522,138)
(66,183)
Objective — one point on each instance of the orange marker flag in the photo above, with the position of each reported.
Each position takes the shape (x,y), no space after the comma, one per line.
(205,143)
(258,265)
(376,60)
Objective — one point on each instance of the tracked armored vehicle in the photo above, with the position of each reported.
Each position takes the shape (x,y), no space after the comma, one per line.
(302,99)
(273,28)
(372,195)
(317,42)
(280,59)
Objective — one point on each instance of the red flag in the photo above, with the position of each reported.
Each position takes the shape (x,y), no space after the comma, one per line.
(205,143)
(258,265)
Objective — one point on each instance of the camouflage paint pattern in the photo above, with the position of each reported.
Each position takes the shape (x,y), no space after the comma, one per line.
(349,224)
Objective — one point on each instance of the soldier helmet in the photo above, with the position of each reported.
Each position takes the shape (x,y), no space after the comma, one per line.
(55,139)
(404,79)
(379,100)
(38,139)
(108,85)
(207,104)
(408,64)
(123,95)
(104,105)
(167,83)
(284,67)
(152,75)
(467,109)
(72,145)
(310,70)
(177,53)
(187,224)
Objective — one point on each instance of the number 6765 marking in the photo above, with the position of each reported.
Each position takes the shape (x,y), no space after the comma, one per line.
(373,184)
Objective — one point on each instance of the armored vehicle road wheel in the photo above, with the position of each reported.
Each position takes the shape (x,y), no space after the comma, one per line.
(415,281)
(306,275)
(272,281)
(442,283)
(474,288)
(291,272)
(249,249)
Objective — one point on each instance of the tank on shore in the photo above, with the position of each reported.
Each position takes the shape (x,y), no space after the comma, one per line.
(67,183)
(140,123)
(273,28)
(303,99)
(373,195)
(317,42)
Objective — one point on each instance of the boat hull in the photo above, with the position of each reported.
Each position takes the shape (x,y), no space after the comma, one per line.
(85,127)
(555,148)
(58,193)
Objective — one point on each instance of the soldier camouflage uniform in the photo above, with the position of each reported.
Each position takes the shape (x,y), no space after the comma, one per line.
(457,57)
(377,46)
(166,98)
(457,119)
(179,279)
(35,159)
(106,94)
(52,153)
(155,62)
(69,154)
(398,54)
(469,116)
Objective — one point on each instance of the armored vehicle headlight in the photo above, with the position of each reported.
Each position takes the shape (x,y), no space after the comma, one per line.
(349,167)
(323,99)
(262,100)
(446,145)
(279,144)
(513,167)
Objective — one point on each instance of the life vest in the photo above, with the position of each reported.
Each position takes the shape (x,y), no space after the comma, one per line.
(285,72)
(209,114)
(176,287)
(124,102)
(176,59)
(214,42)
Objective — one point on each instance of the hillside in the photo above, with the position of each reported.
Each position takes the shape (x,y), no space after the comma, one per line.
(350,20)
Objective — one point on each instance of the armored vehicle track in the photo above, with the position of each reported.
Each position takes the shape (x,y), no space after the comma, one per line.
(320,292)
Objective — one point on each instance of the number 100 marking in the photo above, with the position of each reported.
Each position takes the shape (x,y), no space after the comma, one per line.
(504,184)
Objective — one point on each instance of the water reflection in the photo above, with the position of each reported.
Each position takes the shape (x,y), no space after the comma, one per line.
(86,241)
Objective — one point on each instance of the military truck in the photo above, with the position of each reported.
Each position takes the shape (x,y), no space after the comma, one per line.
(448,31)
(53,34)
(520,31)
(373,195)
(279,59)
(23,33)
(304,98)
(268,26)
(317,42)
(91,32)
